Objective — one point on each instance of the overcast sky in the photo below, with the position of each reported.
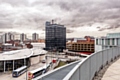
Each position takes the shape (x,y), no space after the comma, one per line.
(80,17)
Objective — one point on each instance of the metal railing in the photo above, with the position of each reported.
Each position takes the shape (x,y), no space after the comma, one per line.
(53,72)
(87,69)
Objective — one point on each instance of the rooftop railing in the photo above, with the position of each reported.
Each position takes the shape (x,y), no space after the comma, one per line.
(87,69)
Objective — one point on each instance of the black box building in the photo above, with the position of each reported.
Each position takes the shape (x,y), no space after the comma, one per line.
(55,37)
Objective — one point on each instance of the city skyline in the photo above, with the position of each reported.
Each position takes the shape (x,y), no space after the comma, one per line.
(90,17)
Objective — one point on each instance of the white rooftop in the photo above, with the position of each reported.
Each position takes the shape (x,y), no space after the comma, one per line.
(7,44)
(23,53)
(38,51)
(17,54)
(38,45)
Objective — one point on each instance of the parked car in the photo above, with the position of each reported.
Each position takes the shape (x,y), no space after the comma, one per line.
(43,61)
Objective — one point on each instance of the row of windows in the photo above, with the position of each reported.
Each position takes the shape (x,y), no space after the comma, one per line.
(80,46)
(107,41)
(75,49)
(81,49)
(55,36)
(83,45)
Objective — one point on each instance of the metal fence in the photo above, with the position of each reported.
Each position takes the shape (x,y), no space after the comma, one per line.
(87,69)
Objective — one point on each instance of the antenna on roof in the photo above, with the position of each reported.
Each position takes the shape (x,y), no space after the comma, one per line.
(52,21)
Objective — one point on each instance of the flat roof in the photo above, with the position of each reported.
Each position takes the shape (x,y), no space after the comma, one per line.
(40,45)
(23,53)
(7,44)
(38,51)
(16,54)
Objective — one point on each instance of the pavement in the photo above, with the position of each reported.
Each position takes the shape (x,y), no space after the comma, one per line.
(59,74)
(113,72)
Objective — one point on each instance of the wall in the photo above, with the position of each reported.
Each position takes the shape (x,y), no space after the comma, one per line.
(98,48)
(35,60)
(87,69)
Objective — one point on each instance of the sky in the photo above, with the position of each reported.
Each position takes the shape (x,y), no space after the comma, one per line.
(80,17)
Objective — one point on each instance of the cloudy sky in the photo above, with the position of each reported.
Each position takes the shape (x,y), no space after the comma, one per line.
(80,17)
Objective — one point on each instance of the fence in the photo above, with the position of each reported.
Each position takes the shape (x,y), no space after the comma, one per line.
(87,69)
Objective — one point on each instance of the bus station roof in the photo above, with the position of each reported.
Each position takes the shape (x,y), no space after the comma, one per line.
(16,54)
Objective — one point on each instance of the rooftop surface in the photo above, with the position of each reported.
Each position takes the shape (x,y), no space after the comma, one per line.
(20,54)
(38,45)
(38,51)
(113,72)
(23,53)
(16,54)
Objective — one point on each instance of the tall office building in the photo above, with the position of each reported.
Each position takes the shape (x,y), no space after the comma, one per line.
(55,36)
(22,37)
(7,37)
(35,36)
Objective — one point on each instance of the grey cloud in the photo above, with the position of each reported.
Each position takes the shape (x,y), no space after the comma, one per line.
(80,13)
(98,27)
(102,29)
(15,2)
(5,24)
(69,30)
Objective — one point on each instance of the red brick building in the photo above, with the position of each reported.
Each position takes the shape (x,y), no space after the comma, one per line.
(85,44)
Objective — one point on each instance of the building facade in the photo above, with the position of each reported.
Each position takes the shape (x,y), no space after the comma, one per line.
(23,37)
(7,37)
(35,36)
(55,36)
(81,45)
(109,41)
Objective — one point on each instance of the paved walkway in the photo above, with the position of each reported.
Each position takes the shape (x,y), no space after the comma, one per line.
(113,72)
(58,74)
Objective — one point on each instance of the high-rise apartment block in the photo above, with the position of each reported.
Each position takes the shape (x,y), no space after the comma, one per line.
(22,37)
(35,36)
(7,37)
(55,36)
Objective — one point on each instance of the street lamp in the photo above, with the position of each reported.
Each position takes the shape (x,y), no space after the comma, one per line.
(25,64)
(50,49)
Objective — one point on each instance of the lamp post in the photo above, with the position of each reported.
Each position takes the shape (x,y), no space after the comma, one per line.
(25,64)
(26,74)
(46,60)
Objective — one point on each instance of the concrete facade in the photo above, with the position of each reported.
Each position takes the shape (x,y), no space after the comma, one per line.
(109,41)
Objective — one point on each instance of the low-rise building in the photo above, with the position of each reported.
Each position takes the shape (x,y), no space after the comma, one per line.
(108,41)
(11,60)
(81,45)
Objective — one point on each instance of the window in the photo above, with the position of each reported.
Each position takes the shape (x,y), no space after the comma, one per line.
(102,41)
(108,41)
(113,41)
(96,41)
